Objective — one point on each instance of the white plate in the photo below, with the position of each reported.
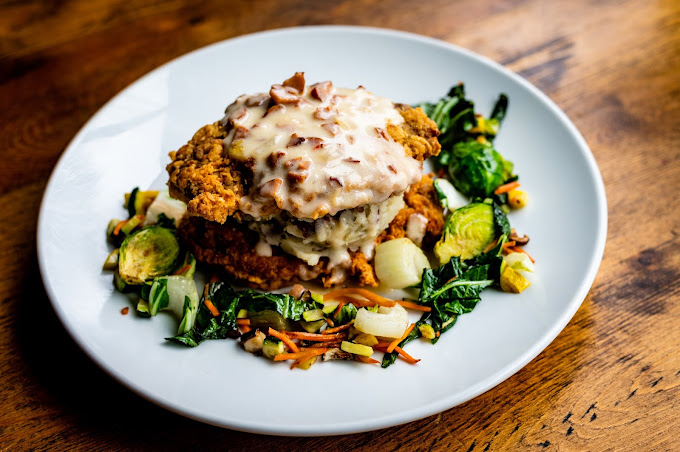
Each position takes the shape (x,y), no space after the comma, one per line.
(126,144)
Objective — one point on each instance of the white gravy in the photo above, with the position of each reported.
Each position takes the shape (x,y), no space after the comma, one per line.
(318,150)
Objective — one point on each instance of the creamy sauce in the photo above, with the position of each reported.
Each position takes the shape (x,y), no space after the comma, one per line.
(317,150)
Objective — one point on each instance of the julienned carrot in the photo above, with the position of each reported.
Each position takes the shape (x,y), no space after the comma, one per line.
(286,340)
(299,354)
(355,301)
(120,224)
(517,249)
(211,307)
(382,301)
(491,245)
(414,306)
(395,342)
(509,244)
(366,359)
(314,337)
(338,309)
(409,359)
(309,355)
(243,322)
(329,322)
(328,345)
(338,328)
(182,270)
(380,345)
(506,188)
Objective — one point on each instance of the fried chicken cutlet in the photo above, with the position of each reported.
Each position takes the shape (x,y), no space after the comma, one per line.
(302,183)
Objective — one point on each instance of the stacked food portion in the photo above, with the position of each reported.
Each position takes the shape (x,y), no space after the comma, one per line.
(301,183)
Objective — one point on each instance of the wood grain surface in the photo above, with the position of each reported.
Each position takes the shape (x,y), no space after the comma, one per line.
(609,381)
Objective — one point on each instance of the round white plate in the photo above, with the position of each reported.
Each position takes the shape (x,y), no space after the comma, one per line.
(126,144)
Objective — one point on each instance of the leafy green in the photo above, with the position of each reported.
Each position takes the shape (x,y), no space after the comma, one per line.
(454,288)
(347,313)
(165,221)
(229,302)
(390,358)
(475,167)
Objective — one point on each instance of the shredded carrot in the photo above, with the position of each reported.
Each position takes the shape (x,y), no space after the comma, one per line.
(381,345)
(325,345)
(286,340)
(310,354)
(314,336)
(243,322)
(506,188)
(366,359)
(213,310)
(382,301)
(120,224)
(355,301)
(329,322)
(338,328)
(395,342)
(183,269)
(244,328)
(414,306)
(410,359)
(517,249)
(509,244)
(491,245)
(338,309)
(299,354)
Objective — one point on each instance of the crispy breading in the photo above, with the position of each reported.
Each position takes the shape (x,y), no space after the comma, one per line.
(418,134)
(203,176)
(231,247)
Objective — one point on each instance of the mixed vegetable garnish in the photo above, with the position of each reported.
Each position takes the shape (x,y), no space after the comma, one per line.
(478,249)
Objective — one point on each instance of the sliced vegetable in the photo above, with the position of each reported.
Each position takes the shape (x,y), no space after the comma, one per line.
(517,199)
(272,347)
(111,262)
(143,308)
(399,263)
(356,349)
(312,315)
(519,261)
(447,194)
(512,281)
(163,204)
(178,295)
(137,202)
(387,322)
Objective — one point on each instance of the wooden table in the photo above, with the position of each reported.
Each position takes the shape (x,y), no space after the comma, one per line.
(611,379)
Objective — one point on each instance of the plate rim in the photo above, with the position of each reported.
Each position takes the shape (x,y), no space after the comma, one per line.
(390,420)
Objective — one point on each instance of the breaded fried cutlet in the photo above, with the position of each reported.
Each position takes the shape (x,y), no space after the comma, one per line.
(230,247)
(203,176)
(301,183)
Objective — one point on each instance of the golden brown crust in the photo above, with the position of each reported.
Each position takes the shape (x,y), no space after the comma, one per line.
(202,175)
(420,199)
(231,247)
(418,135)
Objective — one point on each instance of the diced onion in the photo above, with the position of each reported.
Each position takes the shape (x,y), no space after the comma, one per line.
(387,322)
(399,263)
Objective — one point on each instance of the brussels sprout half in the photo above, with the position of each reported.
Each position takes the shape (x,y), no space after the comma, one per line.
(147,253)
(468,231)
